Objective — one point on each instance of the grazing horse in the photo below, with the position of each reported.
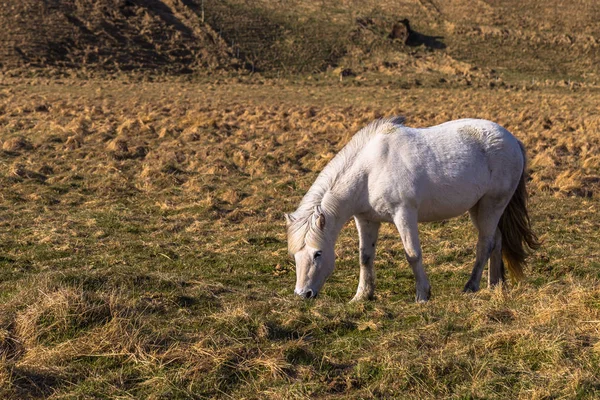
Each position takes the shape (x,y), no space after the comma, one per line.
(392,173)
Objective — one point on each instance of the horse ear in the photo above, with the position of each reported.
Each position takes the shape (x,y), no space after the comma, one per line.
(289,218)
(319,217)
(321,221)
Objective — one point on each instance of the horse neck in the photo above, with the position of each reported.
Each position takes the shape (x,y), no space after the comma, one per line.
(341,203)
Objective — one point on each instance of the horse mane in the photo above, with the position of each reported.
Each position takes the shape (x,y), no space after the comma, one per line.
(302,229)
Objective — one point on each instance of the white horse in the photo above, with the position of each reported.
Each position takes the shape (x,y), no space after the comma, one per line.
(392,173)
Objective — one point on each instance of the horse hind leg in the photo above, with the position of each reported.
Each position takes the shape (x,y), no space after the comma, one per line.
(497,272)
(485,215)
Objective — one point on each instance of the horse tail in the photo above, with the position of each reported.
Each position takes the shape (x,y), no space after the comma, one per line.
(515,227)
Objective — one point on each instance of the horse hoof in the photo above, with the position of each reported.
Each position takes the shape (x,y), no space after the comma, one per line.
(361,297)
(471,287)
(500,283)
(423,297)
(419,299)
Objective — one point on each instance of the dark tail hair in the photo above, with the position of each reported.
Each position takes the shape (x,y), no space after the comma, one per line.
(515,227)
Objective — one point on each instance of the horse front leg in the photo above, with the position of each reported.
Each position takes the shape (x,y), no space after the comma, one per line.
(407,223)
(368,232)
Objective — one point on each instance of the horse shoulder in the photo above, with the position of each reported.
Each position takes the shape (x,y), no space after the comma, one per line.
(390,174)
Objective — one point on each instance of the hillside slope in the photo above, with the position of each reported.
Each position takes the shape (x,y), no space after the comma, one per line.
(538,40)
(109,34)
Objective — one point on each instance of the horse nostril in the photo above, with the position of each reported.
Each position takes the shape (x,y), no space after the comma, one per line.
(308,294)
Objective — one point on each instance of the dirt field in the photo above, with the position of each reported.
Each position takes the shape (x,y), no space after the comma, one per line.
(142,240)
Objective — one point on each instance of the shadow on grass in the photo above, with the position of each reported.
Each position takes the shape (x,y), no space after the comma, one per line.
(33,384)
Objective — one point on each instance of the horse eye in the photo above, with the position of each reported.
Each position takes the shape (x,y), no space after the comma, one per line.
(318,254)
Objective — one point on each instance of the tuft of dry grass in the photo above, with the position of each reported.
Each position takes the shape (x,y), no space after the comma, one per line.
(15,144)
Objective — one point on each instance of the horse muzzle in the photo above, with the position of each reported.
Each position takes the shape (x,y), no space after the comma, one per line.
(306,293)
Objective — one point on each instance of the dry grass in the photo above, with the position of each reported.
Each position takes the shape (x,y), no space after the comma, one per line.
(142,244)
(143,250)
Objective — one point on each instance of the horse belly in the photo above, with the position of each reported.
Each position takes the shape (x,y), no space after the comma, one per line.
(447,204)
(453,185)
(431,201)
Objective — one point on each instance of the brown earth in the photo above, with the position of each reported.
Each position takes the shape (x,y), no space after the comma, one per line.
(108,34)
(450,41)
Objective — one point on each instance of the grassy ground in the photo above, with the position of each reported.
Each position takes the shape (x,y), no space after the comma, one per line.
(143,254)
(142,242)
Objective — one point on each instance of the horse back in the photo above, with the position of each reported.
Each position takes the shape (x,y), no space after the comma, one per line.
(442,171)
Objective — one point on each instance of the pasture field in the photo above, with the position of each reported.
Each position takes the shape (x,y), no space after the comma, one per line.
(143,250)
(148,152)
